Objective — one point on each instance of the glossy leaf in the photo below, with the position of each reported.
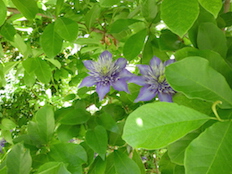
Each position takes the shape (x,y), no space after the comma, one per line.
(213,6)
(50,41)
(66,28)
(97,140)
(213,148)
(212,39)
(196,79)
(124,165)
(28,8)
(169,121)
(134,45)
(19,160)
(179,15)
(3,11)
(108,122)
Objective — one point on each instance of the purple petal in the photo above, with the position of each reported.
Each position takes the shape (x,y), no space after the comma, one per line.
(143,69)
(89,64)
(155,61)
(145,94)
(120,85)
(121,63)
(106,56)
(126,74)
(102,90)
(139,80)
(169,62)
(88,81)
(165,97)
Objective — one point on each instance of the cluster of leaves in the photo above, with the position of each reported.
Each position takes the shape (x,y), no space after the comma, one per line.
(43,44)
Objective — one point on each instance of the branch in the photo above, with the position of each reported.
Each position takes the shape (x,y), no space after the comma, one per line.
(227,6)
(15,11)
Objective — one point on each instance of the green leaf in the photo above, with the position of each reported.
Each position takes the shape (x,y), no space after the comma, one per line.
(213,148)
(66,28)
(169,121)
(108,122)
(196,79)
(213,39)
(165,165)
(179,15)
(212,6)
(66,132)
(134,45)
(121,24)
(98,166)
(59,6)
(50,41)
(43,71)
(176,150)
(3,11)
(8,66)
(19,160)
(8,31)
(216,61)
(73,116)
(97,139)
(92,15)
(20,44)
(107,3)
(42,128)
(72,154)
(30,65)
(28,8)
(29,79)
(138,160)
(169,41)
(7,124)
(124,165)
(149,10)
(53,168)
(54,62)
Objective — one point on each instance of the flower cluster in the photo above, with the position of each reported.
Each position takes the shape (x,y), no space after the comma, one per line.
(105,73)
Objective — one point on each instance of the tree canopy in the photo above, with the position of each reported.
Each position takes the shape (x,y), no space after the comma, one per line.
(115,86)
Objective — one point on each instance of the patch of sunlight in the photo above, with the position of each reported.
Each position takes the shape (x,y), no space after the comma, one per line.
(139,122)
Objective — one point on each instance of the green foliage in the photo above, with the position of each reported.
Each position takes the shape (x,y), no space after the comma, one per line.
(48,125)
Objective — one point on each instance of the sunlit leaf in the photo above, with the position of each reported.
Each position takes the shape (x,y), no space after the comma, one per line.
(50,41)
(195,78)
(3,11)
(213,6)
(28,8)
(169,121)
(179,15)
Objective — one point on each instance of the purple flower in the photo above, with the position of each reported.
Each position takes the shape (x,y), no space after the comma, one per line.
(2,144)
(105,73)
(153,81)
